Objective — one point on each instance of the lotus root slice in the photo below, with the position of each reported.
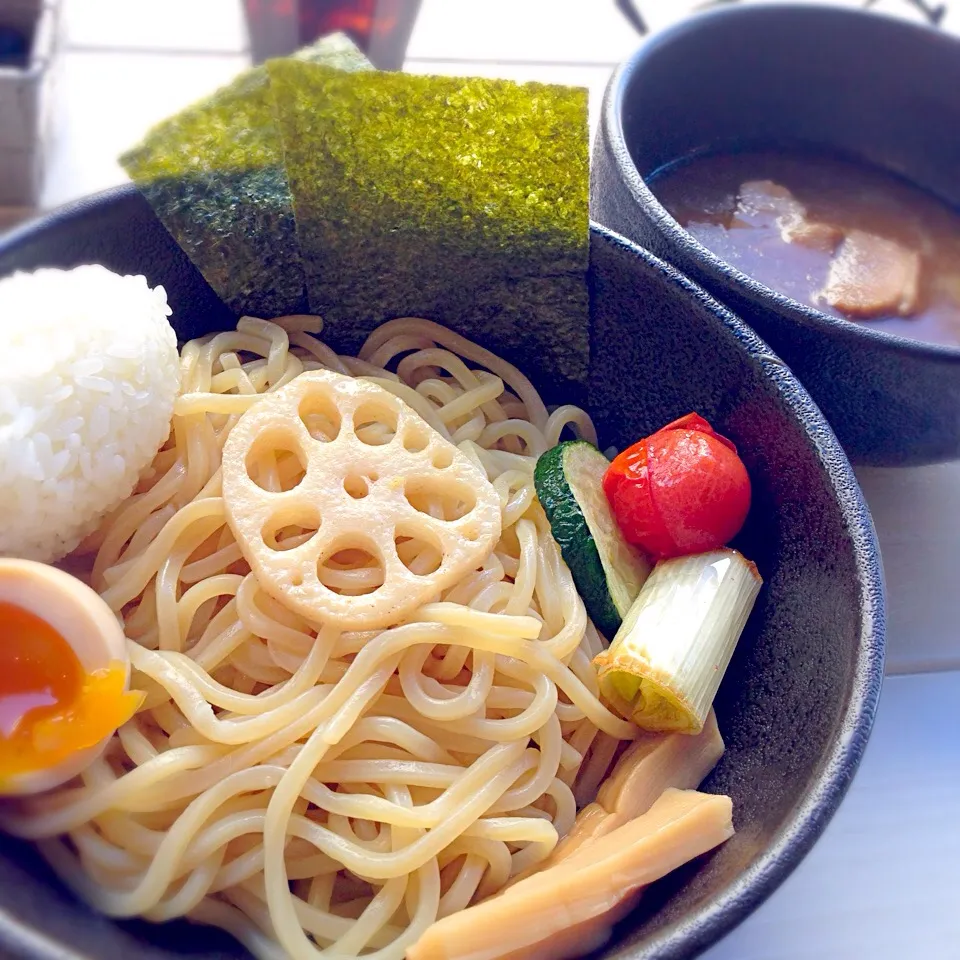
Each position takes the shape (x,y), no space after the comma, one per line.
(385,512)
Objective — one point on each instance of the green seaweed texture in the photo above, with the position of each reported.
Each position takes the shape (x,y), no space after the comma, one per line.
(401,182)
(214,174)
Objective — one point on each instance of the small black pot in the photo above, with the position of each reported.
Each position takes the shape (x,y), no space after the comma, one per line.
(848,81)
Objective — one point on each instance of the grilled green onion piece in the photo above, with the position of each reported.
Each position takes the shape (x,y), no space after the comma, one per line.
(667,660)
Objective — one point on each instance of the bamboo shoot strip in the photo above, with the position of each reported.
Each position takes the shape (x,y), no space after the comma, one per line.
(650,765)
(569,909)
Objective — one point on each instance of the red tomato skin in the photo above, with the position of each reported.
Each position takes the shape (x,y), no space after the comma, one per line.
(700,489)
(693,421)
(629,492)
(680,491)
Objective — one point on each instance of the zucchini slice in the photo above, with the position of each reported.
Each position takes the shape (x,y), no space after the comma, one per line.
(607,570)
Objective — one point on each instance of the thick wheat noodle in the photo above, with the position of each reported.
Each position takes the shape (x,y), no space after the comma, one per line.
(318,793)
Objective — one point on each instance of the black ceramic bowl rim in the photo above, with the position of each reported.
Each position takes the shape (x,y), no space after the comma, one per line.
(611,120)
(837,766)
(813,811)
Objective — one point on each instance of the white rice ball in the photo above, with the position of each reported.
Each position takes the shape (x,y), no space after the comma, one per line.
(89,371)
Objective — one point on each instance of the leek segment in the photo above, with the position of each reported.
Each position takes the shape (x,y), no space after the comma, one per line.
(666,662)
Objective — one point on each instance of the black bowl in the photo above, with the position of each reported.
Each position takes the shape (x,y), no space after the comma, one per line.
(798,702)
(852,82)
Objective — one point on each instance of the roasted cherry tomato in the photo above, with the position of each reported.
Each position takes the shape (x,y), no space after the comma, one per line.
(681,490)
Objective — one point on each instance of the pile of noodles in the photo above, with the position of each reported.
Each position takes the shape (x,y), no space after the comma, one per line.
(319,793)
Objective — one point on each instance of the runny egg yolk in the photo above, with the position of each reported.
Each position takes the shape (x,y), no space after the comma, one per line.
(50,708)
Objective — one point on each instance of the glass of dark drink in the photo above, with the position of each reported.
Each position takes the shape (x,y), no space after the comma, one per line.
(381,28)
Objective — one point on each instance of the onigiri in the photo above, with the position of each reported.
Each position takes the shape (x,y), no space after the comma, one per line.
(89,372)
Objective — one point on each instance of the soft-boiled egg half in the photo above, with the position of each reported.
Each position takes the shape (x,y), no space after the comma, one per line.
(64,672)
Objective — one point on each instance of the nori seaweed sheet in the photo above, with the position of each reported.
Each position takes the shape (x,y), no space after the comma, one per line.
(401,182)
(215,177)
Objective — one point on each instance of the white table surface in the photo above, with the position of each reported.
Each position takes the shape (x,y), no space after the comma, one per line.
(884,881)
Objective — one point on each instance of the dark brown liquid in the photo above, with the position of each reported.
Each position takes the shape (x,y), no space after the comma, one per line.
(705,195)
